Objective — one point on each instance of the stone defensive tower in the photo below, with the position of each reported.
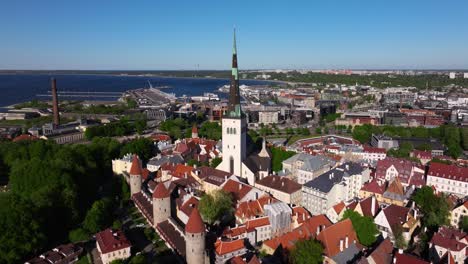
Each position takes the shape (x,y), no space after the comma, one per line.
(195,239)
(135,175)
(161,204)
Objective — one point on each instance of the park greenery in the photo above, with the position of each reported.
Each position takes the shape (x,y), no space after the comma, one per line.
(364,226)
(215,206)
(56,193)
(453,137)
(33,104)
(278,156)
(307,252)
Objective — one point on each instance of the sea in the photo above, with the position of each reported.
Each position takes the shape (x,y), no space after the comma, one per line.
(17,88)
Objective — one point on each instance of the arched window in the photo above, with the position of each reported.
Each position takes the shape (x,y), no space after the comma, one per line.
(234,131)
(227,130)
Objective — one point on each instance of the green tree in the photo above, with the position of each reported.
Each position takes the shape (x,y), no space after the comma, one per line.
(143,147)
(318,130)
(140,259)
(78,235)
(307,252)
(364,226)
(278,155)
(435,209)
(215,162)
(99,216)
(464,224)
(215,205)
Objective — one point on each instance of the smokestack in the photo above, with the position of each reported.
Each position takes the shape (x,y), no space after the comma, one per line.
(55,107)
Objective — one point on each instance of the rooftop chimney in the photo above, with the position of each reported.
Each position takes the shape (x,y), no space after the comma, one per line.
(373,205)
(55,108)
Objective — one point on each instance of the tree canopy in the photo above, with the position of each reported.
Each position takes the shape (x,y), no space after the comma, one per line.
(215,205)
(278,156)
(307,252)
(364,226)
(435,209)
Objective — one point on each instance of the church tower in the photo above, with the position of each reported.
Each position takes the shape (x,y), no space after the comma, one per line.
(234,125)
(161,204)
(135,175)
(195,239)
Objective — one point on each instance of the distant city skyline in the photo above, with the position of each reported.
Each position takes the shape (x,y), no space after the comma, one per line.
(187,35)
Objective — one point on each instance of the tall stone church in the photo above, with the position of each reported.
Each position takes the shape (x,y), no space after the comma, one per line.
(234,136)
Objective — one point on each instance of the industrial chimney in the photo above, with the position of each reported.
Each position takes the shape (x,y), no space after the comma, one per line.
(55,107)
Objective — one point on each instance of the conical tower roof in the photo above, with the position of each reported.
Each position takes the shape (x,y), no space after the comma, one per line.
(160,191)
(195,223)
(135,169)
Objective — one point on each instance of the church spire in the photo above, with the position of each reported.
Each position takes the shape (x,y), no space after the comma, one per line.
(234,107)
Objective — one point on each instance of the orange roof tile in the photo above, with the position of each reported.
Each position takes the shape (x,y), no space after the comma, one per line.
(331,236)
(160,191)
(224,247)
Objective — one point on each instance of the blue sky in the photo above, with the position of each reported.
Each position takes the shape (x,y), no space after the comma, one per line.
(157,35)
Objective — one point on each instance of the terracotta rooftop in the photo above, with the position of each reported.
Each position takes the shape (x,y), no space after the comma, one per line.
(257,222)
(195,223)
(331,236)
(237,189)
(188,206)
(250,209)
(282,184)
(25,137)
(225,247)
(452,172)
(396,187)
(374,150)
(449,238)
(374,187)
(309,229)
(160,191)
(367,204)
(173,237)
(111,240)
(404,258)
(383,252)
(339,207)
(135,169)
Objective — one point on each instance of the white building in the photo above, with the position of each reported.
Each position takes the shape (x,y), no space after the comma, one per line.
(448,179)
(119,166)
(112,245)
(452,75)
(338,185)
(305,167)
(457,214)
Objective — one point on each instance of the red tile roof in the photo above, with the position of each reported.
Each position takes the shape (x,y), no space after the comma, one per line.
(135,169)
(452,172)
(339,207)
(237,189)
(160,137)
(374,150)
(181,170)
(405,170)
(449,238)
(366,206)
(25,137)
(160,191)
(195,223)
(282,184)
(331,236)
(110,240)
(301,213)
(374,187)
(225,247)
(396,215)
(400,258)
(194,129)
(188,206)
(308,229)
(383,252)
(257,222)
(250,209)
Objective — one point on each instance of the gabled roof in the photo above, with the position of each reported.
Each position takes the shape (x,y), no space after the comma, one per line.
(403,258)
(382,254)
(308,229)
(195,223)
(111,240)
(374,187)
(396,187)
(282,184)
(339,207)
(237,189)
(452,172)
(331,236)
(449,238)
(396,215)
(225,247)
(369,206)
(251,209)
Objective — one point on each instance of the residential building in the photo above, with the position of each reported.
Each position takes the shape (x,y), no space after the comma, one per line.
(395,219)
(62,254)
(457,214)
(409,173)
(340,242)
(268,117)
(281,188)
(339,184)
(448,241)
(305,167)
(448,178)
(112,245)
